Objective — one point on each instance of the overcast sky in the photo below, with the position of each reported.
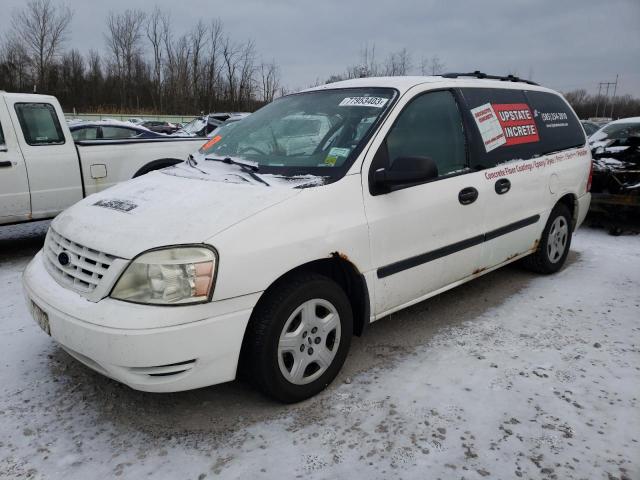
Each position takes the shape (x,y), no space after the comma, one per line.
(563,44)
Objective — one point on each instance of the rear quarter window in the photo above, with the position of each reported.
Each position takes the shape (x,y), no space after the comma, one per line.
(558,126)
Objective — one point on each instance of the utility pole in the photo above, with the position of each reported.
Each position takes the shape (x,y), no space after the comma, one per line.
(613,101)
(606,85)
(598,102)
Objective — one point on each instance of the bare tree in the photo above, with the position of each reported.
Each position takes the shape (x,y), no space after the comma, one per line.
(270,80)
(213,64)
(123,38)
(398,63)
(367,66)
(94,77)
(154,35)
(41,27)
(247,70)
(72,71)
(230,54)
(198,37)
(432,66)
(15,65)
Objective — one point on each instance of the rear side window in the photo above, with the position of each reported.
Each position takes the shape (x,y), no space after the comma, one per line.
(558,125)
(89,133)
(2,142)
(39,123)
(502,126)
(118,132)
(430,126)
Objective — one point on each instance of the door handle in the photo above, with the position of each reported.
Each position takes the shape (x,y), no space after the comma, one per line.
(467,195)
(5,164)
(503,186)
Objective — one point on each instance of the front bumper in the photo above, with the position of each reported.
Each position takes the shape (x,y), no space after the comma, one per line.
(149,348)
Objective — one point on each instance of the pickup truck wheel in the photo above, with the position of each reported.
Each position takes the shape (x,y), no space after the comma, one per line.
(298,338)
(554,244)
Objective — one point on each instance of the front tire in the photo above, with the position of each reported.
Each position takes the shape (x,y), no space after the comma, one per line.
(554,244)
(298,338)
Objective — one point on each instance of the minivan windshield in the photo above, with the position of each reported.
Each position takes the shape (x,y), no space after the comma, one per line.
(316,132)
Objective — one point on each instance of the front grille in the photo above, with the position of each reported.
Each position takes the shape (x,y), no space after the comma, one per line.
(86,266)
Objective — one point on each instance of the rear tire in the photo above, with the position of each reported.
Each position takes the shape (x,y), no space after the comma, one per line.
(298,338)
(554,244)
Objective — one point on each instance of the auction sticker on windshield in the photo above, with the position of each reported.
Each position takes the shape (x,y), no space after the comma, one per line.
(334,154)
(377,102)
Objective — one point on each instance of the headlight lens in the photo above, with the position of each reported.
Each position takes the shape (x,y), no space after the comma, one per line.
(172,276)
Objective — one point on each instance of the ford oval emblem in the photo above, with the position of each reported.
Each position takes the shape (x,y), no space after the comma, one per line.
(63,259)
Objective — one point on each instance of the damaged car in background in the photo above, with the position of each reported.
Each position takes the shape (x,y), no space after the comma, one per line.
(616,171)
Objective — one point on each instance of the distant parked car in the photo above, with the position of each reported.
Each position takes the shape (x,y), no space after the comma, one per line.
(109,131)
(136,120)
(590,127)
(205,125)
(616,132)
(160,127)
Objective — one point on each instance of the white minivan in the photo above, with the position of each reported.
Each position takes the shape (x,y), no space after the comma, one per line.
(256,258)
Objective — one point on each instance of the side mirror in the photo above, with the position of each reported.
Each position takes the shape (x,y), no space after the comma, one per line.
(407,170)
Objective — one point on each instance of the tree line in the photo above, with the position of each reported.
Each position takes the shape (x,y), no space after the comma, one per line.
(394,64)
(146,66)
(587,105)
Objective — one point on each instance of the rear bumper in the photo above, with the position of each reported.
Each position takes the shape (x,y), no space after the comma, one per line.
(196,346)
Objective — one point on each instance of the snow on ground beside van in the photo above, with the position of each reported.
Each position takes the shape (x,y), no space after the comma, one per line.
(512,375)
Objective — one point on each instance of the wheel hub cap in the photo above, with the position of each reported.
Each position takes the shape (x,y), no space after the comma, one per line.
(557,240)
(309,341)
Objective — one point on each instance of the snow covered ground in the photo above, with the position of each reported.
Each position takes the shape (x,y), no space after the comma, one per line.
(512,375)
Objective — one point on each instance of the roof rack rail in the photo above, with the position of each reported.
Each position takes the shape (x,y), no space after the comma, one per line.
(479,74)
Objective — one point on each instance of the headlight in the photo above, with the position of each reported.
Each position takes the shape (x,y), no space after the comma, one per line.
(171,276)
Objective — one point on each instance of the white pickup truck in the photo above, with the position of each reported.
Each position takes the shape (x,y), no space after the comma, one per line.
(43,171)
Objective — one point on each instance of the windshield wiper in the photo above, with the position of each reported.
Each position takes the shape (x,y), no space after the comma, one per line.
(230,161)
(249,168)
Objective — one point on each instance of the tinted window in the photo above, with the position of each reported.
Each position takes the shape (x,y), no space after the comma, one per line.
(2,142)
(39,123)
(118,132)
(558,126)
(88,133)
(590,128)
(618,131)
(502,126)
(430,126)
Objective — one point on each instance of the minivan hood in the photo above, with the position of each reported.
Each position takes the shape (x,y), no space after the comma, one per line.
(160,209)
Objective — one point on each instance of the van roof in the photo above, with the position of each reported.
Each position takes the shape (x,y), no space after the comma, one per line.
(405,83)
